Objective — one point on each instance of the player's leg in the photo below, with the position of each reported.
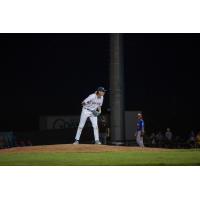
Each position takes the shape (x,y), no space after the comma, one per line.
(83,118)
(93,119)
(138,138)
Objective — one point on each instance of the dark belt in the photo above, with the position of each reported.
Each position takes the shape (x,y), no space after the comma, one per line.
(87,109)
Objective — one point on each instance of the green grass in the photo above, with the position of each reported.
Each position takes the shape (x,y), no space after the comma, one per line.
(168,158)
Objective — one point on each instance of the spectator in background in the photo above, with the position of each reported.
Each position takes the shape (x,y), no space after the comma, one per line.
(168,134)
(198,139)
(191,139)
(160,139)
(8,139)
(168,137)
(153,139)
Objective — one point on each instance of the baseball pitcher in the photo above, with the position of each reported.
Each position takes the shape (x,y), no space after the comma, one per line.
(92,109)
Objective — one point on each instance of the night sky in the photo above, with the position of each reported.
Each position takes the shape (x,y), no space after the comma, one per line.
(50,74)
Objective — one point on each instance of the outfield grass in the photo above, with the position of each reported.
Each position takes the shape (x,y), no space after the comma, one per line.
(168,158)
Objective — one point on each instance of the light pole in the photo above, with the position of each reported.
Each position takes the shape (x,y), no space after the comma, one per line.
(117,89)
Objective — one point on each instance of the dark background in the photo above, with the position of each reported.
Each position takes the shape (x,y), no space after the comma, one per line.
(50,74)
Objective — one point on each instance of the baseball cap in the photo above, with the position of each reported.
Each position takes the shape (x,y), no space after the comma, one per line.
(101,89)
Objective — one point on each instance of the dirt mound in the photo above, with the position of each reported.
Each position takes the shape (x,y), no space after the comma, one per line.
(77,148)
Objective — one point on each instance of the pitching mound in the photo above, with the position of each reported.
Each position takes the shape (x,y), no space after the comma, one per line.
(82,148)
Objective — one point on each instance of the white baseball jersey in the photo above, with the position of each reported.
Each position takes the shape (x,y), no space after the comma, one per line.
(92,102)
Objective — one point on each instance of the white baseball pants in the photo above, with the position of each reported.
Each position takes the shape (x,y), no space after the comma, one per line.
(84,115)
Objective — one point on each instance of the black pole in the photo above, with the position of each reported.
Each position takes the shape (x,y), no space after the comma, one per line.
(117,89)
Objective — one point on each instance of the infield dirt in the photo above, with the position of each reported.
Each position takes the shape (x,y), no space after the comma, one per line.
(79,148)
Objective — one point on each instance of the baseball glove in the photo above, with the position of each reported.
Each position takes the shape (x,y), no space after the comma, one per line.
(95,113)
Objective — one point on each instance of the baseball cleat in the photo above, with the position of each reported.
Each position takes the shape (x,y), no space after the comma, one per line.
(97,142)
(76,142)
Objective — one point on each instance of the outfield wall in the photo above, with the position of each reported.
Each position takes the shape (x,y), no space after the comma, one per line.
(57,124)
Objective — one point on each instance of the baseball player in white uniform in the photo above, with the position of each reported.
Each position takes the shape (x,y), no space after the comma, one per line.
(91,108)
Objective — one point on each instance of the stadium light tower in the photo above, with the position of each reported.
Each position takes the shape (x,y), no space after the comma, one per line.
(117,89)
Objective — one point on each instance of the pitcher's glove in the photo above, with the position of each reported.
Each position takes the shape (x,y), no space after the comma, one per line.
(95,113)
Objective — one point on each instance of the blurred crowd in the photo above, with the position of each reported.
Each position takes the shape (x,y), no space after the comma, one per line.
(168,139)
(8,139)
(161,139)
